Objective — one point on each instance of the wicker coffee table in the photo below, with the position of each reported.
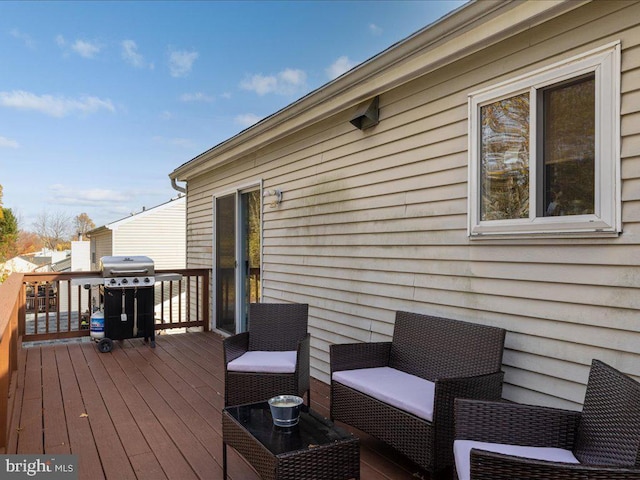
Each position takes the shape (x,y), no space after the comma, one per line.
(315,448)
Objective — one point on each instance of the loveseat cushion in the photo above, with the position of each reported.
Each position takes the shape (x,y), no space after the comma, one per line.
(264,362)
(462,453)
(394,387)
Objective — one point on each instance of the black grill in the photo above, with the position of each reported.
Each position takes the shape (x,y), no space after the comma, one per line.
(128,298)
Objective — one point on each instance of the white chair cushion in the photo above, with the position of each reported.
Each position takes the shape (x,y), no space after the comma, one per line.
(462,453)
(399,389)
(264,362)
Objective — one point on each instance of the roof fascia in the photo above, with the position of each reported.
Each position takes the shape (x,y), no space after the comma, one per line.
(467,30)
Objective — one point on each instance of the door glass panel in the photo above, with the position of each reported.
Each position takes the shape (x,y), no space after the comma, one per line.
(250,202)
(226,263)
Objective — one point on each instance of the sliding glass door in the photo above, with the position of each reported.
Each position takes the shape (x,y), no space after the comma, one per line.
(237,257)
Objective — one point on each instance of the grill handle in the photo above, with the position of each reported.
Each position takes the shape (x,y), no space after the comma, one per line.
(129,272)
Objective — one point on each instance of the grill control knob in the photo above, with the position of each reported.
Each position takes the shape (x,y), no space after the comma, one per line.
(146,280)
(136,280)
(112,281)
(125,281)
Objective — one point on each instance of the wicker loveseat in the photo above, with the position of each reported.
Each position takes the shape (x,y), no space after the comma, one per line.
(272,358)
(409,384)
(507,441)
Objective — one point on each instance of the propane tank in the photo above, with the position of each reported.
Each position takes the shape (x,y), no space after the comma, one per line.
(97,325)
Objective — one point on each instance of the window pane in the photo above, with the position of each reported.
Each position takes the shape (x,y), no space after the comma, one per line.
(569,148)
(504,157)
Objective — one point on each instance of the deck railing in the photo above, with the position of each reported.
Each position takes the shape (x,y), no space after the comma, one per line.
(47,306)
(58,305)
(10,310)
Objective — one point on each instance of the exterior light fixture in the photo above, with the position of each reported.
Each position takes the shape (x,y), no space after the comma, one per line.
(366,115)
(272,197)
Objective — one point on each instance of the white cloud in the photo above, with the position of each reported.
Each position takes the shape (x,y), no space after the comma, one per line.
(375,29)
(65,195)
(260,84)
(247,119)
(85,48)
(8,143)
(131,55)
(340,66)
(288,82)
(196,97)
(55,106)
(28,41)
(226,95)
(181,62)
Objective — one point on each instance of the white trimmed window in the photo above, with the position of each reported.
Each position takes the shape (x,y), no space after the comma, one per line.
(544,151)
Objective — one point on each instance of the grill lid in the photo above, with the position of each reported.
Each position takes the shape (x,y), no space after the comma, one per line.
(126,266)
(127,271)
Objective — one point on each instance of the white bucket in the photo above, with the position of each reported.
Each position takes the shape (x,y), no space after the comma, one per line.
(97,325)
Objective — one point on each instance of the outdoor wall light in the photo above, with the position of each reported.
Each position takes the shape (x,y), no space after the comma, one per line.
(366,114)
(272,197)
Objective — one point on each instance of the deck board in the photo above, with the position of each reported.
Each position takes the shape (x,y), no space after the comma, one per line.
(113,456)
(30,440)
(81,439)
(55,435)
(147,414)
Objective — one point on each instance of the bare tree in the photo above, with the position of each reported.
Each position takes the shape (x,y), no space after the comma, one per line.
(53,228)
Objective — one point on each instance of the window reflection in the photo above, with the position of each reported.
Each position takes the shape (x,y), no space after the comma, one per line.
(569,148)
(505,159)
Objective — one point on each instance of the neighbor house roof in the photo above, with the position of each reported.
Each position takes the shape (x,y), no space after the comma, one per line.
(134,216)
(62,265)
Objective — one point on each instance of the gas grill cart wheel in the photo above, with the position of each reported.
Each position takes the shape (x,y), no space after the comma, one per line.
(105,345)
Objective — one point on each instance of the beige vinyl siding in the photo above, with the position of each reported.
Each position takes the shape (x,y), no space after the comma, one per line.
(373,222)
(158,233)
(103,244)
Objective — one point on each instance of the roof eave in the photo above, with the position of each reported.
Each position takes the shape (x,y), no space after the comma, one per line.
(470,28)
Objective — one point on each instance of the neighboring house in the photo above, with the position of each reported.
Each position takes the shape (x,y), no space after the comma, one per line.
(157,232)
(43,262)
(500,184)
(21,264)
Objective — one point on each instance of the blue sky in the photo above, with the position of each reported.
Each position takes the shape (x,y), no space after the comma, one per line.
(100,101)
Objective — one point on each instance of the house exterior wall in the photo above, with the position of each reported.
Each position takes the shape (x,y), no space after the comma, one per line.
(158,234)
(101,246)
(376,221)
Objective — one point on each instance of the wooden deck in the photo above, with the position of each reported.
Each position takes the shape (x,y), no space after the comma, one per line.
(142,413)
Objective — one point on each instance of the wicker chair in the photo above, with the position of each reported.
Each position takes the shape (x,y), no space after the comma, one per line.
(604,438)
(273,327)
(461,359)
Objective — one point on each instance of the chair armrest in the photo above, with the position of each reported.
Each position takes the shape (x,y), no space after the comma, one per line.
(483,387)
(513,423)
(351,356)
(497,466)
(234,346)
(302,356)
